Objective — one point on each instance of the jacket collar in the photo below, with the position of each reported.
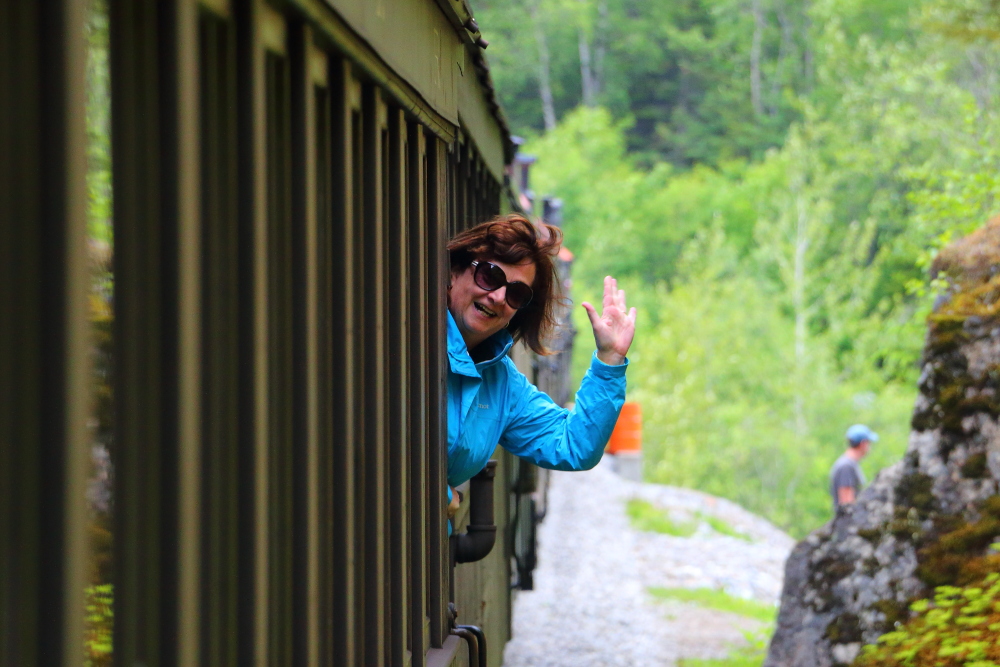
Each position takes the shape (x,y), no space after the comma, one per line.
(458,353)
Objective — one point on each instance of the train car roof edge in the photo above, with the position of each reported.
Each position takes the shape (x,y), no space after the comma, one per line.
(372,37)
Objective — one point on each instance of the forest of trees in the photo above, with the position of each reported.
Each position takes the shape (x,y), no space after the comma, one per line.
(770,181)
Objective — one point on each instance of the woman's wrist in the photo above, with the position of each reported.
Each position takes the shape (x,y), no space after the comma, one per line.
(611,358)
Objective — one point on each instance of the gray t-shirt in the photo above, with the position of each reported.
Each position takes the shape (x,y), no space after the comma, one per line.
(845,472)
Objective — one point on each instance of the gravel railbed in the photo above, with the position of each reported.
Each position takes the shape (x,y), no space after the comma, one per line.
(591,605)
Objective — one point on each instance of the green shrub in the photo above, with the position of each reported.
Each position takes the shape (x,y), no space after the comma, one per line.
(99,626)
(960,626)
(751,655)
(712,598)
(646,516)
(723,528)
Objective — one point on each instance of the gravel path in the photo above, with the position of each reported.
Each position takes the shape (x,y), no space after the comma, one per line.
(590,606)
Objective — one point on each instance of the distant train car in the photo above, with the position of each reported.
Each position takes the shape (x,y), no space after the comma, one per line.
(285,175)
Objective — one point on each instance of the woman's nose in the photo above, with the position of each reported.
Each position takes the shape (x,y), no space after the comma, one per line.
(499,295)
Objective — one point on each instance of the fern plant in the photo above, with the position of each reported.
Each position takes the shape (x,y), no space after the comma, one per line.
(959,626)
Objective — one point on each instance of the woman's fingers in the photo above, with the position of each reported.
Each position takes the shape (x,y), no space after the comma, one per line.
(591,314)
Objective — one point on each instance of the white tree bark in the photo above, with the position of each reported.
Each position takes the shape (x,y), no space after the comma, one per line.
(802,234)
(544,68)
(807,52)
(586,71)
(755,48)
(787,40)
(600,46)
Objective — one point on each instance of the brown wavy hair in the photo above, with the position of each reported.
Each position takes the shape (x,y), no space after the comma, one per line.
(513,239)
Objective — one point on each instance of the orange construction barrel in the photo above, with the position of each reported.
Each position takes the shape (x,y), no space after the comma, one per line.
(627,436)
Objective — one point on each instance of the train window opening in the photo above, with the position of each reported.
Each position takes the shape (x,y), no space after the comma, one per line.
(98,646)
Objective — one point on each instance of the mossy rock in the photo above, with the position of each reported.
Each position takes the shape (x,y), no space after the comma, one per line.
(974,259)
(960,553)
(870,566)
(946,333)
(830,570)
(915,491)
(928,523)
(873,535)
(975,466)
(894,611)
(845,629)
(991,506)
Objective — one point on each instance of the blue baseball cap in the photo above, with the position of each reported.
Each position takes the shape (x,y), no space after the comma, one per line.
(860,432)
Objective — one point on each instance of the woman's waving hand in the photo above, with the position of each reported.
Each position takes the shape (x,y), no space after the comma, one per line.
(614,327)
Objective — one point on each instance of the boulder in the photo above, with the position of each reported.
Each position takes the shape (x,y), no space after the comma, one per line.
(929,519)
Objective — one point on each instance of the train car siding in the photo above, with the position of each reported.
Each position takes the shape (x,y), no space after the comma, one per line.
(285,176)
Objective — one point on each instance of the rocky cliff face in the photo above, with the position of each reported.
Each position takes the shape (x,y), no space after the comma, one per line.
(929,519)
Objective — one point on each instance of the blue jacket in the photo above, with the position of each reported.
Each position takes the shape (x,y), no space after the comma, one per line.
(492,402)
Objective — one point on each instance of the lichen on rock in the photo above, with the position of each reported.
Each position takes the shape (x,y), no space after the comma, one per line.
(929,519)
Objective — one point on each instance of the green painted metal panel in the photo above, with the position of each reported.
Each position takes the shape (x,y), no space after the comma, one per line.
(479,123)
(416,41)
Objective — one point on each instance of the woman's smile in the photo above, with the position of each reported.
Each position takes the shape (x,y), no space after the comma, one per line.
(484,310)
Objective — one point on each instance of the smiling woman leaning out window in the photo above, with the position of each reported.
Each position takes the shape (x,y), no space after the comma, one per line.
(502,290)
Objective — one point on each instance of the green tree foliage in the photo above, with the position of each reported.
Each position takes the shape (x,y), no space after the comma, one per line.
(98,125)
(728,406)
(703,80)
(781,280)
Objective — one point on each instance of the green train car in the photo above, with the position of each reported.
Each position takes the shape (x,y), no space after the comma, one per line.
(285,175)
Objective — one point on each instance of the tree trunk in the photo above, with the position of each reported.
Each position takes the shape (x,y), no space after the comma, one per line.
(799,305)
(807,51)
(787,41)
(755,47)
(586,72)
(600,46)
(544,80)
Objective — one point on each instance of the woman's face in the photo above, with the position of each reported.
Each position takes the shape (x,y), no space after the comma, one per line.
(478,313)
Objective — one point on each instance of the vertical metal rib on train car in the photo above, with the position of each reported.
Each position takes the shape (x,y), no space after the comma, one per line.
(438,222)
(417,247)
(223,295)
(265,425)
(44,333)
(399,400)
(375,397)
(157,271)
(342,341)
(281,389)
(248,263)
(139,331)
(361,376)
(309,80)
(328,549)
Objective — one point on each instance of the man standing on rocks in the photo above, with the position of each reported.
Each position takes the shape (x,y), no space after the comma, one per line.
(846,478)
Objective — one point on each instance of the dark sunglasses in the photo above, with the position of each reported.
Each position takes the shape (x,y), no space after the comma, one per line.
(491,277)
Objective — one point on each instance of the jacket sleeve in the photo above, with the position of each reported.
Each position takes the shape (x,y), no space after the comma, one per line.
(559,439)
